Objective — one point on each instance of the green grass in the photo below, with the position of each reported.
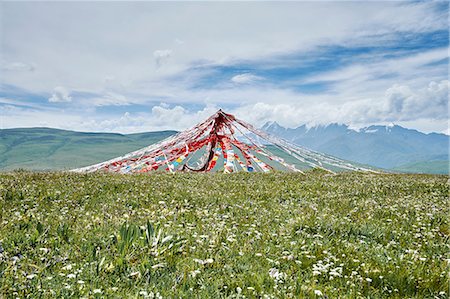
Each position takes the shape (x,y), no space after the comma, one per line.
(273,235)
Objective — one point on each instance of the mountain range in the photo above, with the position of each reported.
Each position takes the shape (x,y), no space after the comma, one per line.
(389,147)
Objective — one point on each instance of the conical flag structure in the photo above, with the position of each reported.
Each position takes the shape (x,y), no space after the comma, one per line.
(222,143)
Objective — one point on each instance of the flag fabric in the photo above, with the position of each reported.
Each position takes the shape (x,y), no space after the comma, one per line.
(220,134)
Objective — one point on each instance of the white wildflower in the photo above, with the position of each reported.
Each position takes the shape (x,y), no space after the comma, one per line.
(318,293)
(204,262)
(167,238)
(160,265)
(194,273)
(44,250)
(276,274)
(68,267)
(336,272)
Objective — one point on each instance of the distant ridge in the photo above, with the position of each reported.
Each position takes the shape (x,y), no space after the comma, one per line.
(55,149)
(389,147)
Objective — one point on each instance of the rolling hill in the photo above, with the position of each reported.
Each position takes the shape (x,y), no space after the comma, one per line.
(53,149)
(434,167)
(391,147)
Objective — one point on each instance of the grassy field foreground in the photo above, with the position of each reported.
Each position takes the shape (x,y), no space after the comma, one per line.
(223,236)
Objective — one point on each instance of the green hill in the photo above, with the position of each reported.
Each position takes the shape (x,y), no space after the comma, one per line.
(436,167)
(53,149)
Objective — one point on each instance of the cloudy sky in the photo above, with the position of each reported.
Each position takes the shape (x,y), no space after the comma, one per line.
(135,66)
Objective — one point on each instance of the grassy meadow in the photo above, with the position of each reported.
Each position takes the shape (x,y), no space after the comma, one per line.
(276,235)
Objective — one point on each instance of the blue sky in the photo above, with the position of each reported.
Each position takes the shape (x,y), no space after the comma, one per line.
(134,66)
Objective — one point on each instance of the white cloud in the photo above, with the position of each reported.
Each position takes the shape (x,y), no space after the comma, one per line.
(161,56)
(60,95)
(376,75)
(110,99)
(178,118)
(429,102)
(19,66)
(447,131)
(80,56)
(161,117)
(125,123)
(114,60)
(399,104)
(12,116)
(402,103)
(245,78)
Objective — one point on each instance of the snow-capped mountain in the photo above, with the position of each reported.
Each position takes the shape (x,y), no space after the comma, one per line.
(389,147)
